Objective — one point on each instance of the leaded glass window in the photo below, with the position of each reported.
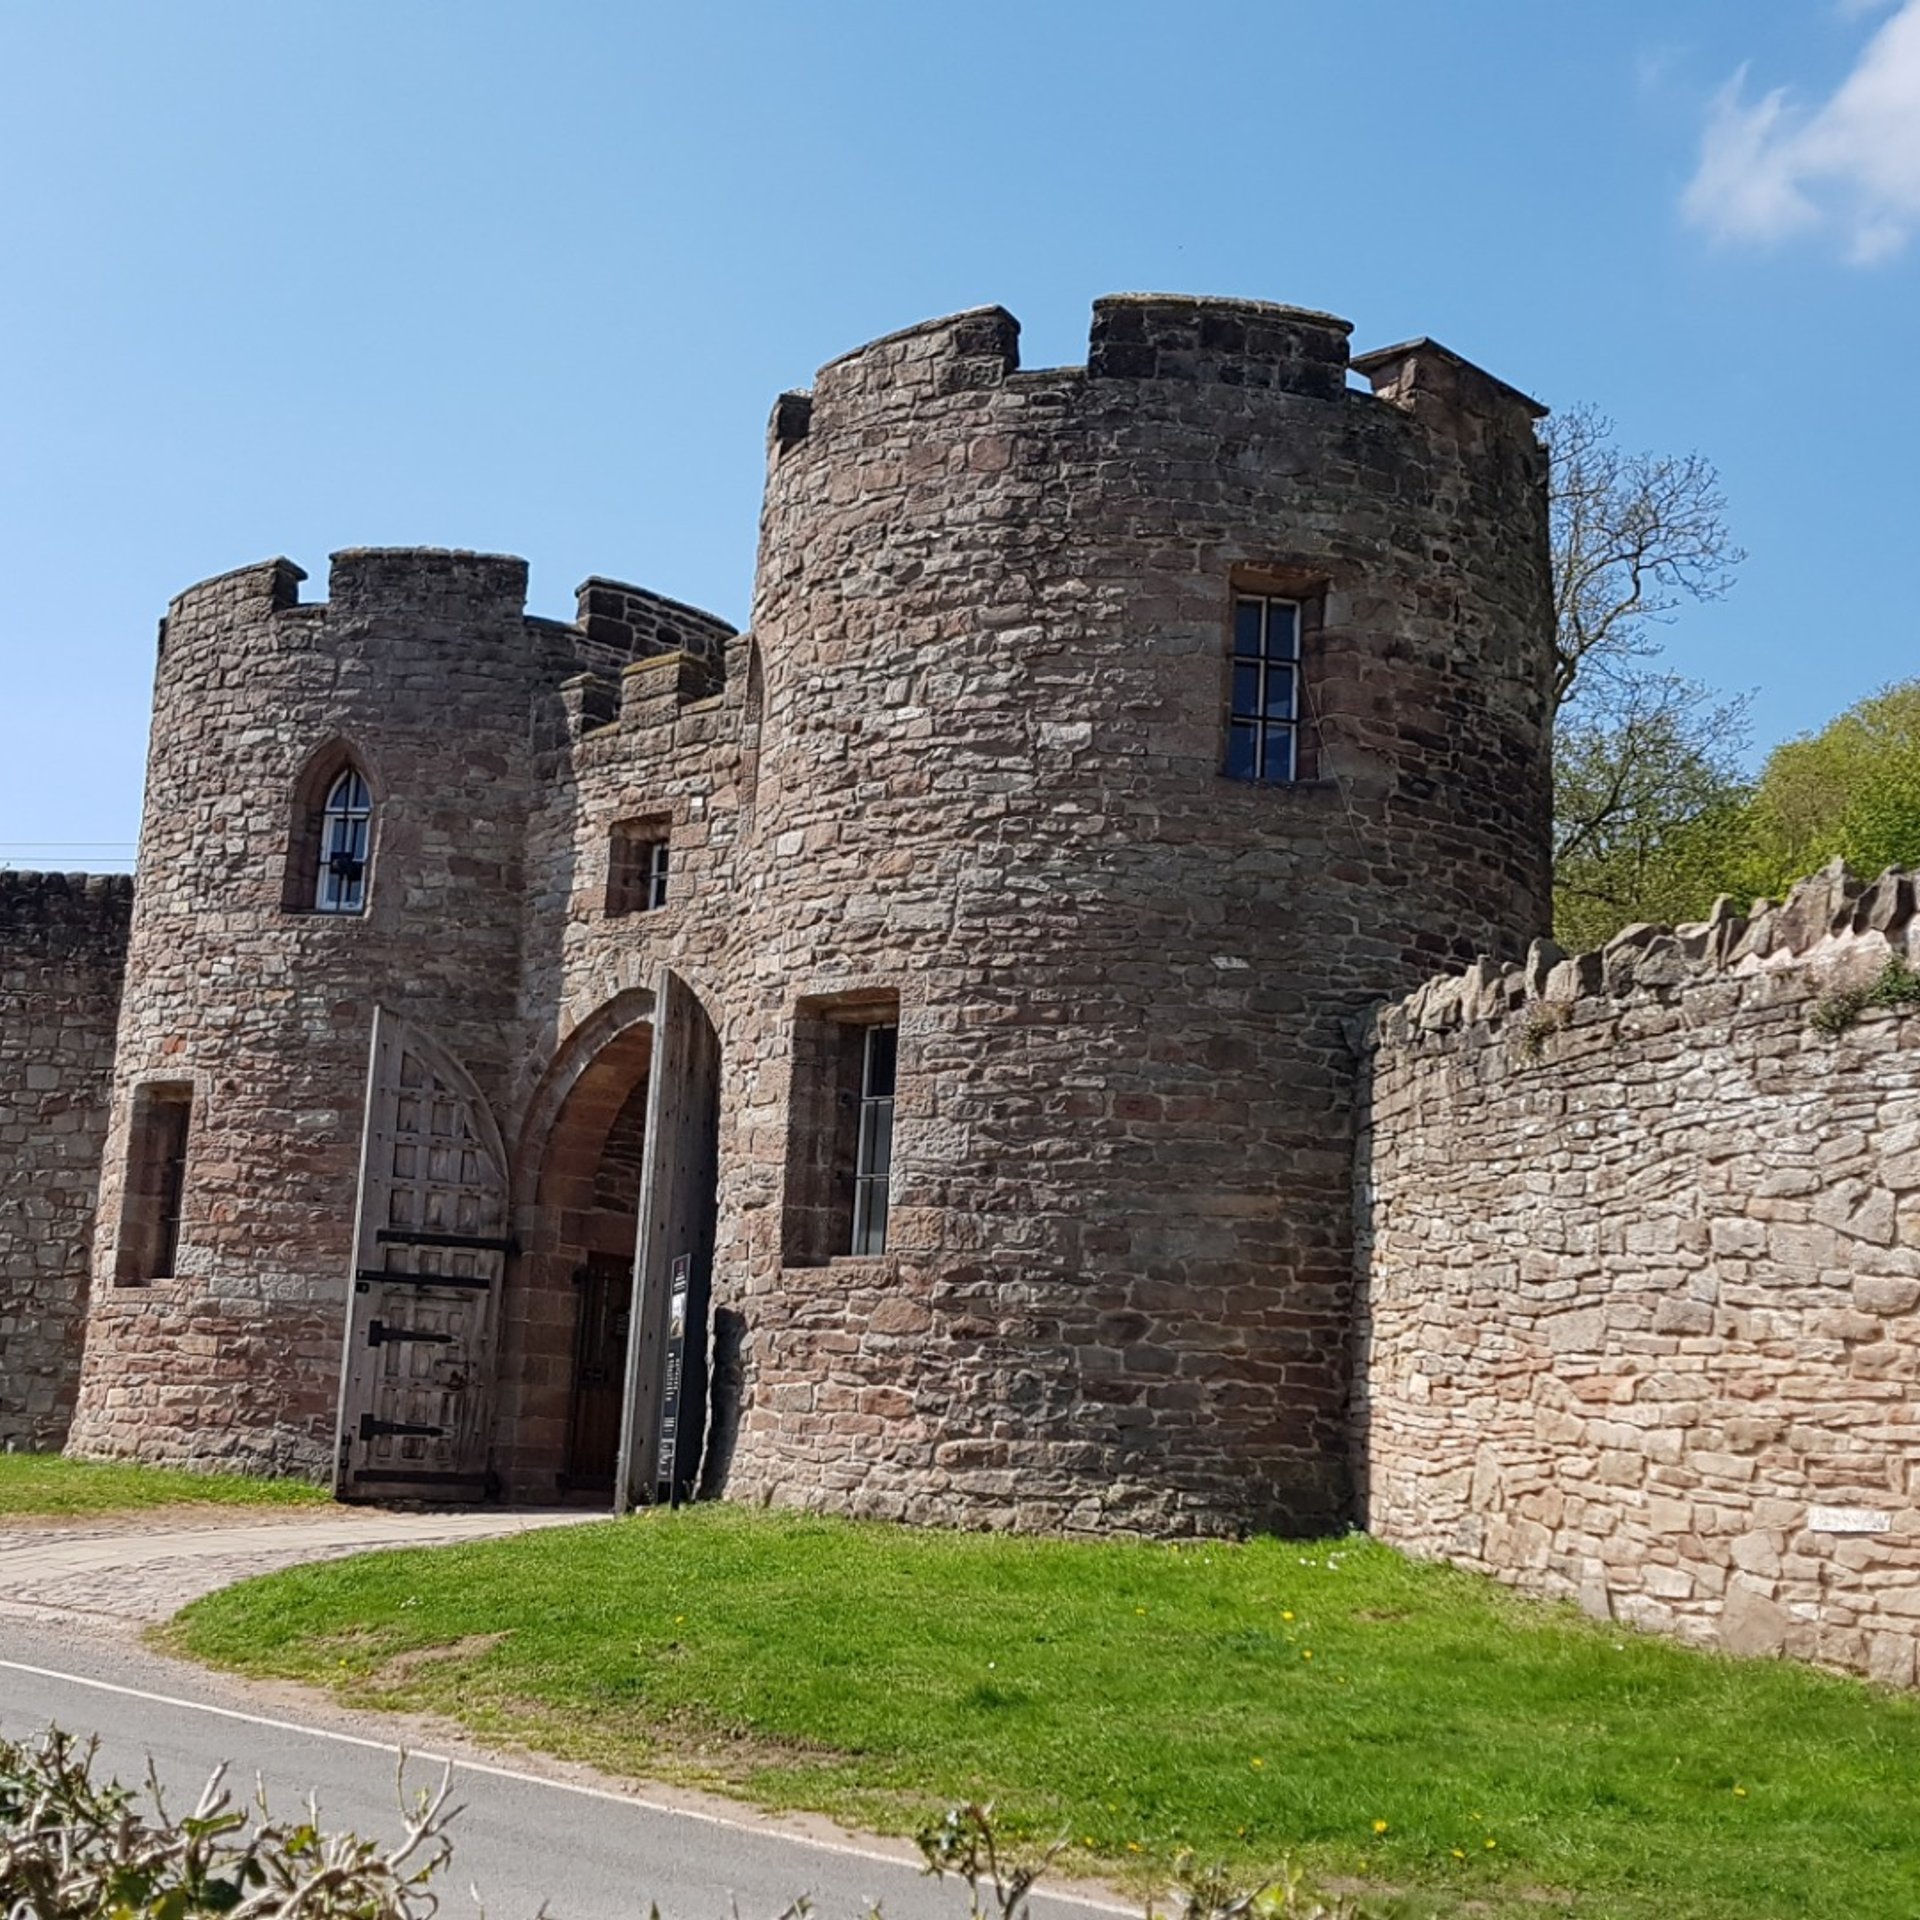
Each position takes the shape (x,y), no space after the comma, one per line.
(1263,726)
(346,835)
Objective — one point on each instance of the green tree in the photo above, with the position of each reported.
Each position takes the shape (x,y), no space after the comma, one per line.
(1650,814)
(1852,789)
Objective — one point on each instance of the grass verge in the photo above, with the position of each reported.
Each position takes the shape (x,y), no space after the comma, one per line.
(50,1483)
(1411,1726)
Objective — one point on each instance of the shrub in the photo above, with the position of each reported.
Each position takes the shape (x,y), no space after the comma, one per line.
(72,1848)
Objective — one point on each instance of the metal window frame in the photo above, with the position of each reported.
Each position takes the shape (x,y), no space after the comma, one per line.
(653,877)
(346,845)
(1265,729)
(872,1165)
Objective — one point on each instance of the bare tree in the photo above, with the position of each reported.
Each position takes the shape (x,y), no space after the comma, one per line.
(1640,754)
(1634,535)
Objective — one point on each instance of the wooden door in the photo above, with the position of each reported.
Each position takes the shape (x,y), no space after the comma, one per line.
(663,1420)
(430,1248)
(599,1370)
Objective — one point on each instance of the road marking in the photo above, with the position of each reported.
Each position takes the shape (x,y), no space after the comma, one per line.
(452,1761)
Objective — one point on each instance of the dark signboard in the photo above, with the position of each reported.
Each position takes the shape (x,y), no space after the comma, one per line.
(673,1379)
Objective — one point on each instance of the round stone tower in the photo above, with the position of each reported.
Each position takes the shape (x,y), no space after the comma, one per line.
(1124,730)
(276,905)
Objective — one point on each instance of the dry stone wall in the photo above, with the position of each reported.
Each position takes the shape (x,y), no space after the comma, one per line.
(63,945)
(1640,1259)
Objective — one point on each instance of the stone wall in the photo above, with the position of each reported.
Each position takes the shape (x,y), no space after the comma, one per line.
(63,945)
(970,767)
(994,612)
(423,667)
(1640,1254)
(969,764)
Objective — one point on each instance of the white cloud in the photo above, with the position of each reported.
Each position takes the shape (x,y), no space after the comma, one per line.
(1770,168)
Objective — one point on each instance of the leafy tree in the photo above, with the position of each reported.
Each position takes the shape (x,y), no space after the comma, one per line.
(1650,817)
(1647,772)
(1852,789)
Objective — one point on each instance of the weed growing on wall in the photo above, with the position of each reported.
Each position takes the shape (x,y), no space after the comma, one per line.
(1897,988)
(1543,1021)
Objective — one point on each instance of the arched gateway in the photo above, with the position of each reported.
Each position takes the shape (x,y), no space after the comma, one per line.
(525,1327)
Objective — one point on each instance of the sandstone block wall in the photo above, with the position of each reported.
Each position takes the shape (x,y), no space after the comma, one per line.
(969,766)
(993,612)
(63,945)
(424,666)
(969,763)
(1640,1265)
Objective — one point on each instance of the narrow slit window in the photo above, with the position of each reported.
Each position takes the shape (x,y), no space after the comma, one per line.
(155,1194)
(346,834)
(873,1151)
(1263,725)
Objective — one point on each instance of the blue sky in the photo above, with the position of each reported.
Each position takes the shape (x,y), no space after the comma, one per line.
(285,278)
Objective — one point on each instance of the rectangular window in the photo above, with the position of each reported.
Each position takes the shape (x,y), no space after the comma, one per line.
(1263,725)
(637,866)
(150,1205)
(839,1182)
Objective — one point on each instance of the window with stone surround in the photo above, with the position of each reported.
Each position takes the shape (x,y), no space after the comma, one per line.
(1268,701)
(330,852)
(151,1202)
(638,862)
(346,839)
(839,1186)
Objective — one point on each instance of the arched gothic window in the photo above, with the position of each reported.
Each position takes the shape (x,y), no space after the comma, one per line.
(346,837)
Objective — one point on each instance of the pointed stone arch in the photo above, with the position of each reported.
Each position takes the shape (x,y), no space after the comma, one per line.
(578,1167)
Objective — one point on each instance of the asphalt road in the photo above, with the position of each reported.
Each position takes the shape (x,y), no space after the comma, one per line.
(585,1847)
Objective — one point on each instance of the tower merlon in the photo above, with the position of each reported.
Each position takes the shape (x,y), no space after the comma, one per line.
(438,582)
(266,586)
(638,624)
(1419,375)
(960,351)
(1253,343)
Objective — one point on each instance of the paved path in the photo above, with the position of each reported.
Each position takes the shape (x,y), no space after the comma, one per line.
(146,1566)
(74,1596)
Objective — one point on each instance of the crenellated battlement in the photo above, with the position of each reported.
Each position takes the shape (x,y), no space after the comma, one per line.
(1138,341)
(428,584)
(436,590)
(644,694)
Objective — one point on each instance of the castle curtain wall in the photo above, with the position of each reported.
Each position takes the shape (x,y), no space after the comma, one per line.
(1640,1266)
(63,944)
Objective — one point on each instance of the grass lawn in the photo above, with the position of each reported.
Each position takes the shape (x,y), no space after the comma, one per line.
(47,1483)
(1409,1725)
